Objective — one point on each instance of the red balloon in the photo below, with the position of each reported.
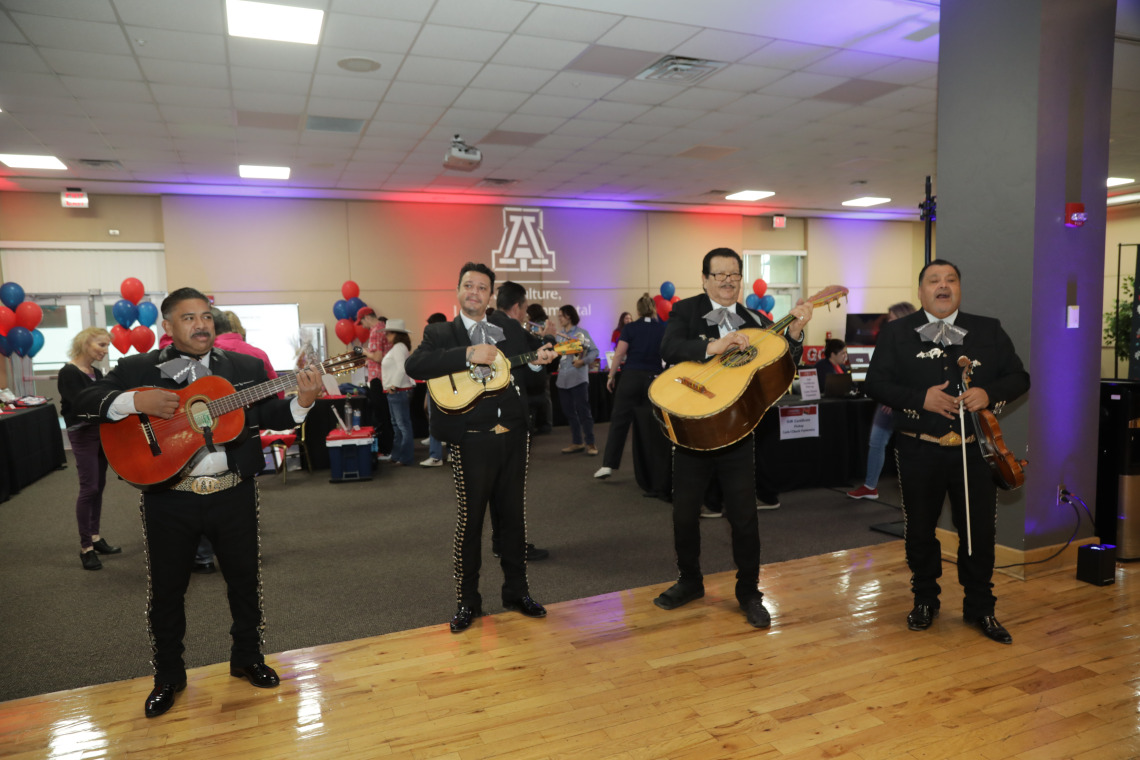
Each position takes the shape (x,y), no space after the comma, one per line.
(674,299)
(362,333)
(663,309)
(349,290)
(7,320)
(345,330)
(120,338)
(142,338)
(29,314)
(759,288)
(768,314)
(132,289)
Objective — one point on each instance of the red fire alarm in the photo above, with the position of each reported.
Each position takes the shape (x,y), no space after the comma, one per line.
(1075,215)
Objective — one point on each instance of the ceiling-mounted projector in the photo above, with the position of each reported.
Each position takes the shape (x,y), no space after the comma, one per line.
(461,157)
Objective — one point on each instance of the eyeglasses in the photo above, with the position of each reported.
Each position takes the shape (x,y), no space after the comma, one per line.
(721,277)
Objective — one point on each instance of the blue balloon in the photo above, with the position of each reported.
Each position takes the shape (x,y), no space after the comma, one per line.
(753,301)
(668,289)
(124,312)
(11,295)
(20,339)
(148,313)
(354,305)
(340,309)
(767,303)
(4,347)
(37,342)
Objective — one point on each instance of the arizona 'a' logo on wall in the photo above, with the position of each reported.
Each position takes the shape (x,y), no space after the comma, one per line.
(523,247)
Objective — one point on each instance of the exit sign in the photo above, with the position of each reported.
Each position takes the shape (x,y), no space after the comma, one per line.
(73,199)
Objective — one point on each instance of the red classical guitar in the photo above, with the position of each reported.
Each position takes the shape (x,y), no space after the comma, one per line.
(147,451)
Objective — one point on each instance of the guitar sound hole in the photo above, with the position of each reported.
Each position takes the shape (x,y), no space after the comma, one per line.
(740,358)
(199,412)
(482,373)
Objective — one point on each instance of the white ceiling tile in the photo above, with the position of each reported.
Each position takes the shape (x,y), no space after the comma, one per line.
(716,45)
(493,15)
(759,105)
(742,78)
(646,34)
(422,94)
(69,34)
(177,46)
(784,54)
(606,111)
(503,102)
(561,142)
(37,121)
(313,137)
(23,58)
(107,89)
(270,80)
(587,128)
(702,99)
(810,110)
(342,108)
(905,99)
(646,93)
(860,116)
(90,10)
(328,57)
(409,112)
(180,95)
(271,102)
(575,84)
(185,72)
(496,77)
(123,114)
(461,44)
(266,54)
(800,84)
(850,63)
(369,88)
(79,63)
(668,116)
(642,132)
(36,85)
(144,148)
(568,23)
(9,33)
(254,136)
(549,105)
(536,124)
(40,107)
(179,15)
(417,69)
(538,52)
(719,121)
(363,33)
(466,119)
(401,10)
(180,114)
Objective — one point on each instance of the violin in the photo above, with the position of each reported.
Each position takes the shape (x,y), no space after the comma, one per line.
(1007,470)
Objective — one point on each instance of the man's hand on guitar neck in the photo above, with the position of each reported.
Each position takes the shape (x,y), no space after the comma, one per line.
(156,403)
(309,386)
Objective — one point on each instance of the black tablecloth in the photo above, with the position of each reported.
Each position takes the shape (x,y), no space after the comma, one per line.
(31,446)
(836,458)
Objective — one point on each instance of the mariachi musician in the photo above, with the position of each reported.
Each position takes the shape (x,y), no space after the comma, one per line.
(217,497)
(915,371)
(700,328)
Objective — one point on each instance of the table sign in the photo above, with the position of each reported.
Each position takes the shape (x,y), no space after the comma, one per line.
(799,421)
(809,385)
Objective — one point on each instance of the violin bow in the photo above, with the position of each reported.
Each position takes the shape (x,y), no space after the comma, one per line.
(965,363)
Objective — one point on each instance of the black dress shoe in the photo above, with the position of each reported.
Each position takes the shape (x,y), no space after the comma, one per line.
(464,617)
(90,561)
(756,612)
(992,629)
(259,674)
(204,568)
(921,617)
(526,606)
(680,593)
(161,698)
(103,547)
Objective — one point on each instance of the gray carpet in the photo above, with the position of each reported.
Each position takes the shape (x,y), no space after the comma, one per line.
(350,560)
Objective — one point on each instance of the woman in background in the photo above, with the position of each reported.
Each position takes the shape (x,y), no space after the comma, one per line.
(398,391)
(881,428)
(574,383)
(623,320)
(87,348)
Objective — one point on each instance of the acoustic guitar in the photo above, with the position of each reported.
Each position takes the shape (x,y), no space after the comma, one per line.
(146,451)
(712,404)
(459,391)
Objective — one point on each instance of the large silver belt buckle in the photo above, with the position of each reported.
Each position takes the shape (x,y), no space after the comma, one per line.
(205,485)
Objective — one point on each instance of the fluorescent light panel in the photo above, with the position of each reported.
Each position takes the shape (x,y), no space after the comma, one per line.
(1117,181)
(866,201)
(16,161)
(266,21)
(749,195)
(249,171)
(1119,200)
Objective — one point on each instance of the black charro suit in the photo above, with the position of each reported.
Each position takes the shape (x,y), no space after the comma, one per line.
(173,521)
(686,338)
(902,368)
(487,466)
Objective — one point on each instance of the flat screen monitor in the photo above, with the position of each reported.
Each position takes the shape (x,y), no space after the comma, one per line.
(863,329)
(858,359)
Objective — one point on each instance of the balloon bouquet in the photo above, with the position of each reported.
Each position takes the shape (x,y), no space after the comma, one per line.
(664,302)
(758,300)
(126,311)
(18,322)
(345,312)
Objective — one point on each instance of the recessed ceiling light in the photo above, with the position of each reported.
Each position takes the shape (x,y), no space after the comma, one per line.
(866,201)
(749,195)
(1115,181)
(16,161)
(248,171)
(1118,200)
(359,65)
(266,21)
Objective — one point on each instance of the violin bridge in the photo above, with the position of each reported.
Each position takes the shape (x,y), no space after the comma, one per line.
(693,385)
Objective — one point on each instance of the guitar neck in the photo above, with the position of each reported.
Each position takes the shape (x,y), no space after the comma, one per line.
(250,396)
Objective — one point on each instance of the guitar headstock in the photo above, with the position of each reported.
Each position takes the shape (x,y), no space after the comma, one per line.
(828,295)
(344,362)
(567,347)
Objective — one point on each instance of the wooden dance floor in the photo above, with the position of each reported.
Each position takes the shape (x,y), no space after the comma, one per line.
(837,675)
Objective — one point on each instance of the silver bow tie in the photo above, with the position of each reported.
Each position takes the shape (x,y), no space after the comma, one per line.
(183,369)
(726,317)
(941,332)
(485,332)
